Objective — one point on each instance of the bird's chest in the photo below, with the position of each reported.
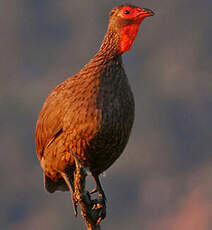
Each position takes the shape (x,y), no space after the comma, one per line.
(115,123)
(101,117)
(117,108)
(116,105)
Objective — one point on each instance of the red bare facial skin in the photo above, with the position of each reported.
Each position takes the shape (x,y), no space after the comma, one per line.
(129,32)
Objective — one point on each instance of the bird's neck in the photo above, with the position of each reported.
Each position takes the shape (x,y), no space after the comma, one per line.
(119,40)
(107,57)
(110,45)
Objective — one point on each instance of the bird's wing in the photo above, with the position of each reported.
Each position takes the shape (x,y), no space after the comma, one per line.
(50,122)
(48,128)
(60,111)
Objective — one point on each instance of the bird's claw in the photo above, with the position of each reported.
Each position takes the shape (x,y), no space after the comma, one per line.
(93,209)
(94,190)
(100,207)
(100,192)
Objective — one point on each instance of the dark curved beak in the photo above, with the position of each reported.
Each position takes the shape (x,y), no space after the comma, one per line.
(148,12)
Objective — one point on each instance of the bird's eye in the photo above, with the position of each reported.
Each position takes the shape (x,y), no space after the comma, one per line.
(126,11)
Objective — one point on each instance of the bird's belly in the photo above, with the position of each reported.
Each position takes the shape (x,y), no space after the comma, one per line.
(110,140)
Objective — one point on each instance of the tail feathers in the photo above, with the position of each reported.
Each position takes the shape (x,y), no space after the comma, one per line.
(52,186)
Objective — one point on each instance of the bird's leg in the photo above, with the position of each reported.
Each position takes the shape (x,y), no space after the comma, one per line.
(70,184)
(93,211)
(101,200)
(98,188)
(79,181)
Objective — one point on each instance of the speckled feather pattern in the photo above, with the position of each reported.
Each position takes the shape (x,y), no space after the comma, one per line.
(93,111)
(89,115)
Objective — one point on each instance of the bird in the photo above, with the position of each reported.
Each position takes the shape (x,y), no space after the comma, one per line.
(87,119)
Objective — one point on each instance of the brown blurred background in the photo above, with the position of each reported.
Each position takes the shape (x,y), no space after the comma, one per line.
(163,181)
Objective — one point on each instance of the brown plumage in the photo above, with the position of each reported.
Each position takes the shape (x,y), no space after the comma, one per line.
(90,115)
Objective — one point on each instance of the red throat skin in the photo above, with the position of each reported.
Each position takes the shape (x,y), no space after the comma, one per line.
(128,35)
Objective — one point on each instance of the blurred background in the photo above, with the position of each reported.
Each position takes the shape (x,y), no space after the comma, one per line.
(163,179)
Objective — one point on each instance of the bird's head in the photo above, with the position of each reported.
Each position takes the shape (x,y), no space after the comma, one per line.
(125,21)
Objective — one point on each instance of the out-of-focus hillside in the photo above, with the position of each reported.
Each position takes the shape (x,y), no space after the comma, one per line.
(163,179)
